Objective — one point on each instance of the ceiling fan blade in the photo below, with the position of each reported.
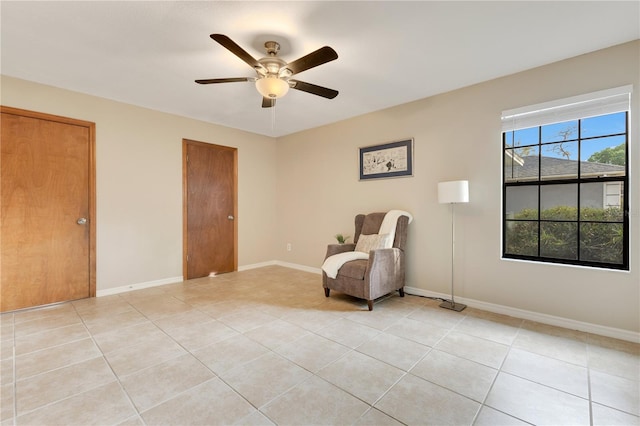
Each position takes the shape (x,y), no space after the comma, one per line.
(236,50)
(268,102)
(313,89)
(223,80)
(321,56)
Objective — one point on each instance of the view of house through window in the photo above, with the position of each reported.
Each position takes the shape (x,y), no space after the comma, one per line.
(565,187)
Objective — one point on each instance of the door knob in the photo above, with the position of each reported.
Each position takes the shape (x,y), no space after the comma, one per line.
(230,217)
(82,221)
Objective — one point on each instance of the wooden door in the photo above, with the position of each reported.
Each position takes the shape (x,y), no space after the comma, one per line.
(210,226)
(47,243)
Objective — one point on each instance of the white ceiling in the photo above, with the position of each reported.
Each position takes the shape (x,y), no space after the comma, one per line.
(149,53)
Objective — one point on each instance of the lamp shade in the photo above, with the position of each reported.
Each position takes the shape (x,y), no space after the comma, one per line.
(456,191)
(272,87)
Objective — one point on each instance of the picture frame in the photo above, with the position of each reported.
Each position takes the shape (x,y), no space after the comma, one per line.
(388,160)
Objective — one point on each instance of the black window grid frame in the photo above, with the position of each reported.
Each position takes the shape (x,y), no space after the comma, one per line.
(579,180)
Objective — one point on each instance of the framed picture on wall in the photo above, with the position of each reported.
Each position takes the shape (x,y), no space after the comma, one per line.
(393,159)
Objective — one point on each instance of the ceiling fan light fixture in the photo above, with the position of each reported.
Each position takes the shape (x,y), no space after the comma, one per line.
(272,87)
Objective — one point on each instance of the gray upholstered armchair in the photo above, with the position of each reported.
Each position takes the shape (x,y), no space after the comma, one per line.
(382,273)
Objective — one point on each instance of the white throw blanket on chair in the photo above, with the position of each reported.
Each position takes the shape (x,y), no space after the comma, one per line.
(390,221)
(332,264)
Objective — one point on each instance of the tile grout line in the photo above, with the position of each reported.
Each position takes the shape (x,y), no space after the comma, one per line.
(14,372)
(272,350)
(443,337)
(153,365)
(404,372)
(55,369)
(499,370)
(511,347)
(432,348)
(548,386)
(311,372)
(194,356)
(589,382)
(117,378)
(350,350)
(371,405)
(588,399)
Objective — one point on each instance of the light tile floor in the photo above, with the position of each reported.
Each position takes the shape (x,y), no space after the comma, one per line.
(265,347)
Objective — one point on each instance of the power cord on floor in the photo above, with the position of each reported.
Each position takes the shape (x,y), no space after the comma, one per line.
(430,297)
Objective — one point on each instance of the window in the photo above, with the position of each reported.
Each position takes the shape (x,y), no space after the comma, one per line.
(565,181)
(612,195)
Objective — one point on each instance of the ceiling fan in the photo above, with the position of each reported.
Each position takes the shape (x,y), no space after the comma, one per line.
(273,74)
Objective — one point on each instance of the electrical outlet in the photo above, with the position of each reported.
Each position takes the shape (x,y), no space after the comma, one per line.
(288,246)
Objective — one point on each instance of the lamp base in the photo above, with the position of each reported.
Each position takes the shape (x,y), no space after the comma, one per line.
(447,304)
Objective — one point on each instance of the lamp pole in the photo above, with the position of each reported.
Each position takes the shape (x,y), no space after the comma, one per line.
(452,193)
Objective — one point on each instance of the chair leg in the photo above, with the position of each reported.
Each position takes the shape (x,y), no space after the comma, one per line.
(326,292)
(401,292)
(370,304)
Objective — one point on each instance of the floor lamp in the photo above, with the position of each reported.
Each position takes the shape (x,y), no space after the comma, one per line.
(453,192)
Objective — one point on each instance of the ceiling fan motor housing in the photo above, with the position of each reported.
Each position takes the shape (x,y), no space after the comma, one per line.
(272,65)
(272,83)
(272,47)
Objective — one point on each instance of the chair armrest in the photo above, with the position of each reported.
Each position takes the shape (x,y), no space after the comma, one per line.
(385,272)
(339,248)
(388,259)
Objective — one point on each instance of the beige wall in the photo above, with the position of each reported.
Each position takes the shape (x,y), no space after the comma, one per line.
(139,182)
(457,136)
(307,185)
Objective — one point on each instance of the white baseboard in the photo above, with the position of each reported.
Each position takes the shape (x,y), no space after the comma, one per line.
(601,330)
(256,265)
(138,286)
(148,284)
(172,280)
(299,267)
